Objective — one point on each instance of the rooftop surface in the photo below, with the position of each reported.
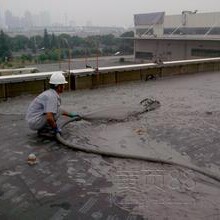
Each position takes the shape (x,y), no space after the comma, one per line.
(68,184)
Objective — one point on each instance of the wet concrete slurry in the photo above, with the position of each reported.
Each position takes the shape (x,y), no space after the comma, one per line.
(66,184)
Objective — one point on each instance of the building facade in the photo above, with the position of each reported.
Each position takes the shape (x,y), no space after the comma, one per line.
(176,37)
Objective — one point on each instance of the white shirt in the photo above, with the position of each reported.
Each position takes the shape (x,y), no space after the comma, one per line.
(48,101)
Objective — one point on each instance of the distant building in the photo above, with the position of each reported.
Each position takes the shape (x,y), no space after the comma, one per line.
(34,24)
(44,18)
(189,35)
(81,31)
(1,20)
(12,22)
(27,20)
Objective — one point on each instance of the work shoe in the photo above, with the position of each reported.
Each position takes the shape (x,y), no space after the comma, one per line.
(47,132)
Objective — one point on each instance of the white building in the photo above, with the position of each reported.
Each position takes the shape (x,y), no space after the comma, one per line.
(176,37)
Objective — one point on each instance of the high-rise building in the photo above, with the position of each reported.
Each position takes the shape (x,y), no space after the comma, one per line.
(28,21)
(44,18)
(8,18)
(1,21)
(12,22)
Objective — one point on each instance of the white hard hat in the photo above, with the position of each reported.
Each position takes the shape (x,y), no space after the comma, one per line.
(57,79)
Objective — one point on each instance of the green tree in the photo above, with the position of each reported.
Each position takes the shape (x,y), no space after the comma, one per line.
(26,57)
(46,40)
(5,52)
(108,39)
(126,43)
(51,47)
(53,55)
(39,41)
(54,42)
(19,42)
(77,41)
(64,41)
(42,57)
(32,45)
(128,34)
(91,42)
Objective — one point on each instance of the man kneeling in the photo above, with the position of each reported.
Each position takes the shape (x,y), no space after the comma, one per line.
(44,110)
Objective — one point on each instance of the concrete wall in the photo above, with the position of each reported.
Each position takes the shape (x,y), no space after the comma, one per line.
(173,49)
(162,70)
(111,76)
(22,88)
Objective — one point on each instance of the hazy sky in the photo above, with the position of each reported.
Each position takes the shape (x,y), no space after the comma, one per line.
(105,12)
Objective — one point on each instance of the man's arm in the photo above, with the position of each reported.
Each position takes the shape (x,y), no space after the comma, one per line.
(65,113)
(70,114)
(50,120)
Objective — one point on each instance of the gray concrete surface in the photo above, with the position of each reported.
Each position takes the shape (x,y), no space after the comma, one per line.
(66,184)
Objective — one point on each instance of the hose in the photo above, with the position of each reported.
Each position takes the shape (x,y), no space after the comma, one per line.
(134,157)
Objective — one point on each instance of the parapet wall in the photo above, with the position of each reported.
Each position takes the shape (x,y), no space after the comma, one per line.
(15,85)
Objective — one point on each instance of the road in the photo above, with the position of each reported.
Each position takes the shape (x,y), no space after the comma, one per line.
(80,63)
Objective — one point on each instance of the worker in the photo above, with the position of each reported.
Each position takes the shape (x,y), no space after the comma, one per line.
(44,110)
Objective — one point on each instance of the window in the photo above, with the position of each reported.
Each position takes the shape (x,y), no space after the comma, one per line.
(205,53)
(144,55)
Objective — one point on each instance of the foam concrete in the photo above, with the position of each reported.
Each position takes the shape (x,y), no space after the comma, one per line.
(66,184)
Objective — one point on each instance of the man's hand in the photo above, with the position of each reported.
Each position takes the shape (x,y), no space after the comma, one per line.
(74,115)
(57,130)
(50,119)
